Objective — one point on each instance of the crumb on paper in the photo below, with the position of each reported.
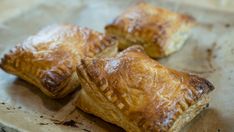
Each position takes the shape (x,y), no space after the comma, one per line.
(86,130)
(227,25)
(211,55)
(70,123)
(232,50)
(43,123)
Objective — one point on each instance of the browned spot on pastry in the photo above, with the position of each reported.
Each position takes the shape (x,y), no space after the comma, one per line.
(53,81)
(201,85)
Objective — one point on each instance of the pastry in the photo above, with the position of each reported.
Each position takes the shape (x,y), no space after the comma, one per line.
(137,93)
(160,31)
(49,59)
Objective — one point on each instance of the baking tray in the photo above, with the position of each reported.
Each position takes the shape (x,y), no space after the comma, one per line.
(209,53)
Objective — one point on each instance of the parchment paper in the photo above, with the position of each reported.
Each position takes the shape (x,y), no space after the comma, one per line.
(209,52)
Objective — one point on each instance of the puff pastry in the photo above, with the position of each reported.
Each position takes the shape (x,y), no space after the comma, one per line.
(137,93)
(49,59)
(160,31)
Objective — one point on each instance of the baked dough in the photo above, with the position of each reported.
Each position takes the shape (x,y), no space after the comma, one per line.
(137,93)
(160,31)
(49,59)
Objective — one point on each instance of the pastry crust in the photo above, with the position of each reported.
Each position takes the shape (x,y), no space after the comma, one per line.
(49,59)
(137,93)
(160,31)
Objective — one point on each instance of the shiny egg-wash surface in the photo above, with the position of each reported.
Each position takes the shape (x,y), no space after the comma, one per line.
(161,32)
(49,59)
(138,94)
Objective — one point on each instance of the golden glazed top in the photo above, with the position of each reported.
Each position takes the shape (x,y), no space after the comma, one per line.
(149,94)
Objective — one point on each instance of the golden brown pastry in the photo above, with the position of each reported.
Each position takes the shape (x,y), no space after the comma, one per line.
(137,93)
(49,59)
(160,31)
